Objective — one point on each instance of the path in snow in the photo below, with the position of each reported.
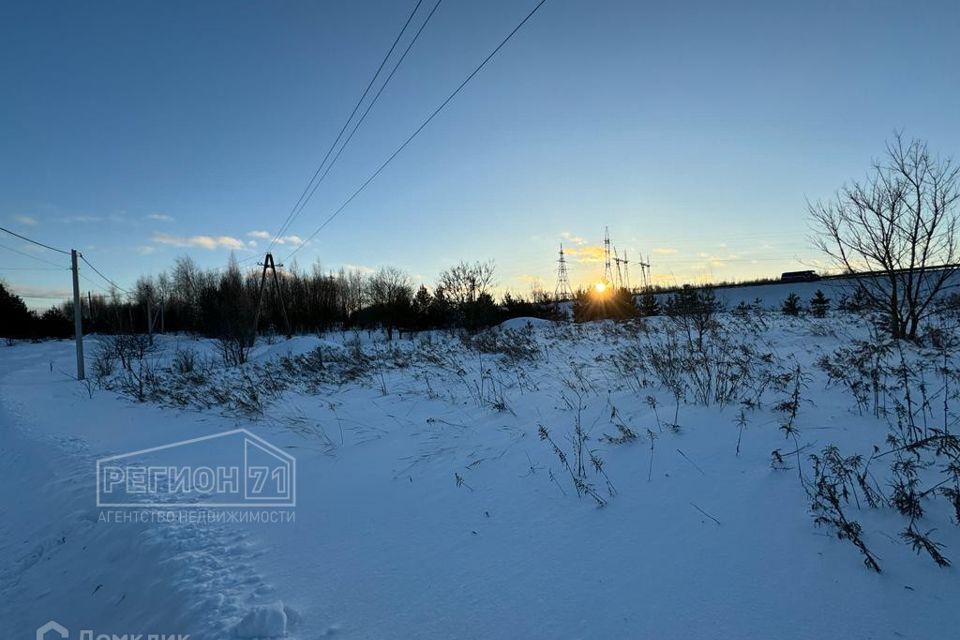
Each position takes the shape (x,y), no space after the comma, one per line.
(57,562)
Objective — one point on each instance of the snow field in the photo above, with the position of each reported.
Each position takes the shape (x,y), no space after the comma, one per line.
(429,504)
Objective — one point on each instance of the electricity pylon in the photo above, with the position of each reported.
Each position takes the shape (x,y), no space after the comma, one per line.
(644,272)
(563,290)
(626,272)
(269,264)
(607,270)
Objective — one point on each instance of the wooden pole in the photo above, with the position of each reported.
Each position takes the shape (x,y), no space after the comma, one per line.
(149,318)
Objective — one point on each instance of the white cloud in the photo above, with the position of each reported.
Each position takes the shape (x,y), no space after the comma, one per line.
(203,242)
(569,237)
(145,249)
(358,267)
(666,251)
(71,219)
(294,240)
(160,217)
(265,235)
(27,220)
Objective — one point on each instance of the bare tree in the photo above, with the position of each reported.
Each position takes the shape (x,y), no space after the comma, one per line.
(897,229)
(390,290)
(467,288)
(352,289)
(464,283)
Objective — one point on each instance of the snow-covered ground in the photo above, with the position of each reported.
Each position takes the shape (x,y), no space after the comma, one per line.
(433,502)
(771,295)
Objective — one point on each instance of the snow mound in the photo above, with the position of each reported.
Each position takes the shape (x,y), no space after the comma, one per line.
(266,621)
(295,346)
(519,324)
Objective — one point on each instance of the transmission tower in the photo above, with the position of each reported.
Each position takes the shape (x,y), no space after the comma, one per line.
(563,290)
(268,265)
(618,283)
(644,272)
(623,270)
(607,270)
(626,271)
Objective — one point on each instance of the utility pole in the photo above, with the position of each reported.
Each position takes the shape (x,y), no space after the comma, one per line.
(77,313)
(149,318)
(154,313)
(268,264)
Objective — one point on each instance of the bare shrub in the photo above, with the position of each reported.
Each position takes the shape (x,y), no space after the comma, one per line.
(139,379)
(184,361)
(862,369)
(104,362)
(131,348)
(694,311)
(235,350)
(719,370)
(513,344)
(830,493)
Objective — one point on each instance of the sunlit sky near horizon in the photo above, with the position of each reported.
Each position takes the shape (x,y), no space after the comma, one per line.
(139,132)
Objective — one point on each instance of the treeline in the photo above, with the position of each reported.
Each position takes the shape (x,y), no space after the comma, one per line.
(17,321)
(223,303)
(228,304)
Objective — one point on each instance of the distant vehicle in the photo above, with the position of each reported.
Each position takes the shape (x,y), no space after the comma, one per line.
(799,276)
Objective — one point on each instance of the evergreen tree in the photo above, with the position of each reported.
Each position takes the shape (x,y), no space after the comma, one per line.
(441,309)
(420,307)
(54,323)
(16,321)
(791,306)
(819,304)
(649,305)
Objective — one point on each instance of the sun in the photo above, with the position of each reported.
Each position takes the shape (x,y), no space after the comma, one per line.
(600,288)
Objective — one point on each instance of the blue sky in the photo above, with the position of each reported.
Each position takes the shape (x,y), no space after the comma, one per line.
(140,131)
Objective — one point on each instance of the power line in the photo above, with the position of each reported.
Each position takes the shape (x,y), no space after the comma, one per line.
(24,253)
(33,269)
(97,271)
(419,129)
(39,244)
(363,116)
(94,284)
(294,212)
